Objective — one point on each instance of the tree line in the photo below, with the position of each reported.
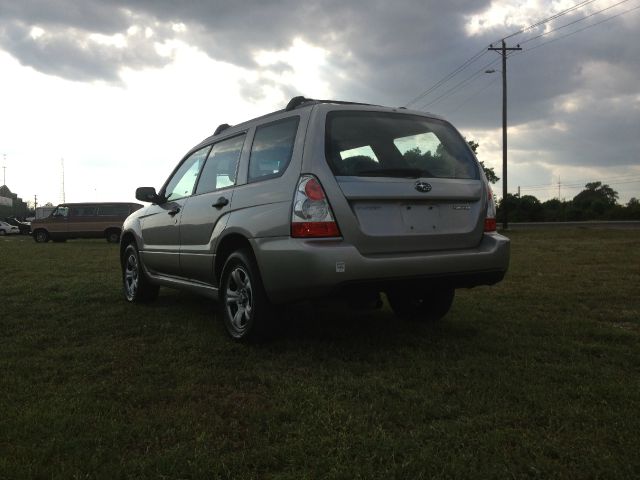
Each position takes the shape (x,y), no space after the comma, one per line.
(598,201)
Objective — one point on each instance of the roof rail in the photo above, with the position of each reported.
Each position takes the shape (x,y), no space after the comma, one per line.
(296,102)
(221,128)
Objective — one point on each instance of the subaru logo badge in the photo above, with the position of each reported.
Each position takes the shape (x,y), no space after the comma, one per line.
(423,187)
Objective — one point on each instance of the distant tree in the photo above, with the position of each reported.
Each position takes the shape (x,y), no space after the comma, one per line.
(596,192)
(521,209)
(488,171)
(632,210)
(554,210)
(48,204)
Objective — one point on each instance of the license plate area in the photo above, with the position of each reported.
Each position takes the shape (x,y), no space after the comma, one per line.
(420,218)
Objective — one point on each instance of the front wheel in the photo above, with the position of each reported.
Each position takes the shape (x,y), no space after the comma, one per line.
(135,284)
(419,305)
(41,236)
(245,308)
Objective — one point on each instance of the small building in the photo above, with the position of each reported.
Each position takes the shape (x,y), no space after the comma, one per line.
(11,205)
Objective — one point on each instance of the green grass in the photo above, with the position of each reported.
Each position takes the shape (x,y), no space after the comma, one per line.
(537,377)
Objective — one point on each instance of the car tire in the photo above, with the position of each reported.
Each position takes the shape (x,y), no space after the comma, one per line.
(112,236)
(420,305)
(136,286)
(41,236)
(245,308)
(2,233)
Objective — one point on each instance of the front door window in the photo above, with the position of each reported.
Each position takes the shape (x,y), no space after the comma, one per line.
(184,179)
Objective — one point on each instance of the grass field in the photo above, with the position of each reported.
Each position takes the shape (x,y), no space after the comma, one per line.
(537,377)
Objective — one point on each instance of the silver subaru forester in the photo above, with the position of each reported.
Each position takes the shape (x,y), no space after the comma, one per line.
(321,199)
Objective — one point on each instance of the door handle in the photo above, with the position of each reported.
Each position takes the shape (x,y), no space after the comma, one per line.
(174,211)
(221,202)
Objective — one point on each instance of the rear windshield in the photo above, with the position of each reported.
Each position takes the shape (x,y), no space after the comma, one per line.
(396,145)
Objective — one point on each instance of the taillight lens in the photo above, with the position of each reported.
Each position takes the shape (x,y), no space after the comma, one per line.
(490,224)
(312,216)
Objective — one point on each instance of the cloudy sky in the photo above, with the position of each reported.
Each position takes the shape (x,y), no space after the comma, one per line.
(121,89)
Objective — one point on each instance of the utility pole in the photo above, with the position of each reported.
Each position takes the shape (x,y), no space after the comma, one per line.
(559,188)
(35,202)
(4,169)
(503,51)
(63,196)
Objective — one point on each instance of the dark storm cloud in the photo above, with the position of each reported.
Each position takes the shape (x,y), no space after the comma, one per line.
(388,51)
(387,46)
(71,54)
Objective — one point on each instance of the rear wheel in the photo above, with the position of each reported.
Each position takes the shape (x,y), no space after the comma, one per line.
(246,311)
(420,305)
(41,236)
(113,236)
(135,284)
(2,233)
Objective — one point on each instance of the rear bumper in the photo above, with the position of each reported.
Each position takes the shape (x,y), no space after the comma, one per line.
(295,269)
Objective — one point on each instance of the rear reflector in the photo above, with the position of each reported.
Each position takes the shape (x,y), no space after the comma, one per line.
(314,229)
(490,225)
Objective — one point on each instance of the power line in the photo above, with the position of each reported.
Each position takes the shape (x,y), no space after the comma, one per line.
(580,29)
(460,84)
(574,22)
(464,82)
(576,185)
(448,77)
(549,19)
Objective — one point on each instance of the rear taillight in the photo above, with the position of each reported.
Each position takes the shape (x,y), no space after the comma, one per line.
(311,216)
(490,220)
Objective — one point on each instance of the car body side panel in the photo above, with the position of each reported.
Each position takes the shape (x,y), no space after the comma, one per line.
(160,231)
(200,228)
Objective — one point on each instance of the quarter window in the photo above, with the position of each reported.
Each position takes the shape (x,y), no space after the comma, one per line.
(222,164)
(184,179)
(272,149)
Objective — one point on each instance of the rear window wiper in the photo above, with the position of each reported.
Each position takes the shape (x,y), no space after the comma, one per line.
(395,172)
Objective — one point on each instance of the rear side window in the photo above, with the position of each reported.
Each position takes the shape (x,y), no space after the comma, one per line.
(396,145)
(272,149)
(113,210)
(82,211)
(222,165)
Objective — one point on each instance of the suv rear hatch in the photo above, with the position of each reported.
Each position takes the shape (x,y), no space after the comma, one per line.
(410,182)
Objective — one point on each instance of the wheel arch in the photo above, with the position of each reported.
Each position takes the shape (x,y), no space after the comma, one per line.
(226,246)
(126,238)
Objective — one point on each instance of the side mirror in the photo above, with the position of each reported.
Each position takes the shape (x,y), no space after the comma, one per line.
(148,194)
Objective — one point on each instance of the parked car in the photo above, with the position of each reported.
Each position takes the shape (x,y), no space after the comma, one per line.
(23,227)
(319,200)
(83,220)
(7,229)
